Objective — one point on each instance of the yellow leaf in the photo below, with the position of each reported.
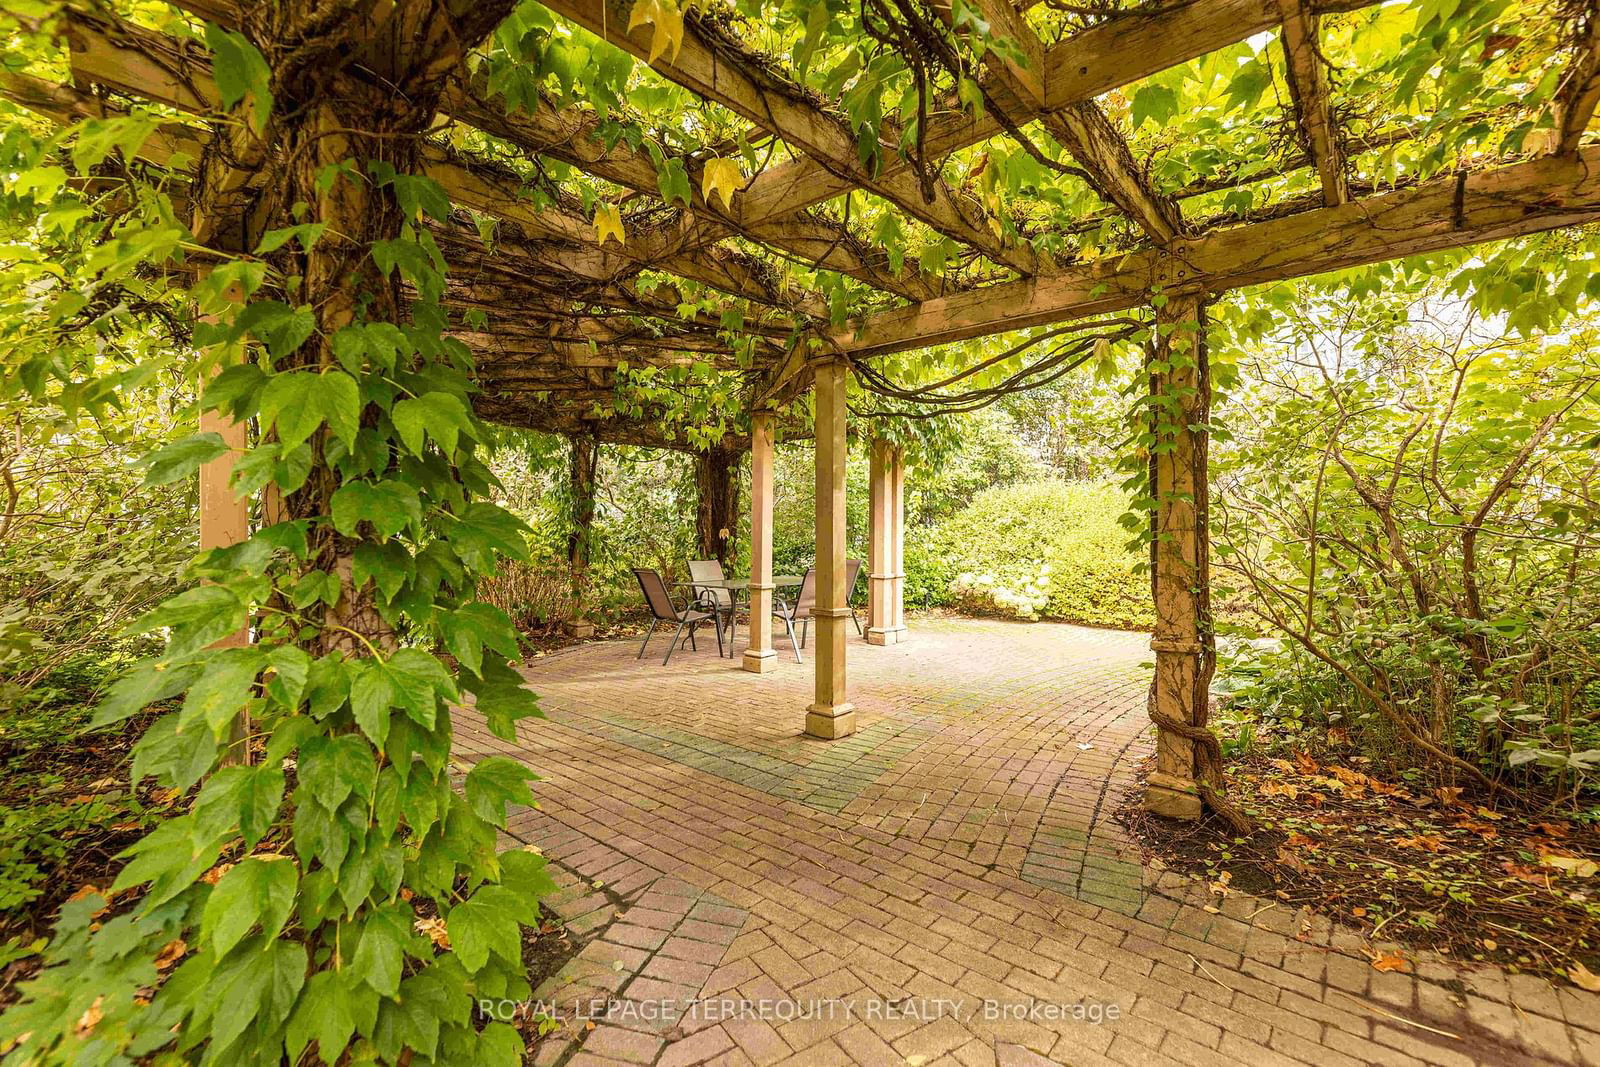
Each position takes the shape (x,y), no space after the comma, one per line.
(721,177)
(666,21)
(1573,865)
(608,223)
(1583,977)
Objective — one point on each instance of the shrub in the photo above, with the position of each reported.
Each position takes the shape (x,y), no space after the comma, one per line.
(1048,549)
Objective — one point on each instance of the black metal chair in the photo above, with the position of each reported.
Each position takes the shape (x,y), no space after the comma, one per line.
(713,597)
(662,609)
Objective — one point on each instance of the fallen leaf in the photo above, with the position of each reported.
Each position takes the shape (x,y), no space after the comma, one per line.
(1305,764)
(1551,829)
(1489,945)
(1360,913)
(1448,794)
(1575,866)
(1583,978)
(1279,789)
(90,1018)
(171,953)
(1426,842)
(435,930)
(1485,813)
(1392,962)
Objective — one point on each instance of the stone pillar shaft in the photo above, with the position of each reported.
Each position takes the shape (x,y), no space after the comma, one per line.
(830,714)
(886,562)
(759,656)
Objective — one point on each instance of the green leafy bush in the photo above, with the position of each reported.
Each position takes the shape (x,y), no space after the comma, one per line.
(1041,549)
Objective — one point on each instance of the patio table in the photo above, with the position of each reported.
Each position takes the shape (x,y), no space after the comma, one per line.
(736,586)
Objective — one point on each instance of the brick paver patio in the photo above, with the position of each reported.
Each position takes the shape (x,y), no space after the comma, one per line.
(947,886)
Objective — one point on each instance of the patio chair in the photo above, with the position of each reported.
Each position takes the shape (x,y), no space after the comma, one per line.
(713,598)
(800,611)
(662,609)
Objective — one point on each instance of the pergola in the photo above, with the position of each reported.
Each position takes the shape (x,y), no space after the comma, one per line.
(568,311)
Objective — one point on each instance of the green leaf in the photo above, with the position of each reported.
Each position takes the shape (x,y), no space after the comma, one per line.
(1154,103)
(182,458)
(486,923)
(197,617)
(241,74)
(323,1015)
(472,627)
(495,782)
(297,402)
(261,890)
(333,768)
(442,415)
(390,506)
(221,693)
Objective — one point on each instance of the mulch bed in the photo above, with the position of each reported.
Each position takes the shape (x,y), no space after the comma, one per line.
(1431,868)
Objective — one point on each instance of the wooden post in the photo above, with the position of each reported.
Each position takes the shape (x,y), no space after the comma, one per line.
(830,715)
(1179,387)
(886,571)
(585,459)
(759,656)
(224,521)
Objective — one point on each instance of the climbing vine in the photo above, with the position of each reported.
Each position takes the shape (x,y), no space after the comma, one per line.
(330,892)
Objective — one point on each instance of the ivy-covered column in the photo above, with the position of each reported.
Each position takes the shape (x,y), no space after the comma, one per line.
(584,460)
(885,571)
(1179,403)
(716,479)
(759,656)
(831,714)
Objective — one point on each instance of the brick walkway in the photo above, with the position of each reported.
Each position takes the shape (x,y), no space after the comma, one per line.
(947,886)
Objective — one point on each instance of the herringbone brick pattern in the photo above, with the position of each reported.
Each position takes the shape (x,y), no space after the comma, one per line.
(945,887)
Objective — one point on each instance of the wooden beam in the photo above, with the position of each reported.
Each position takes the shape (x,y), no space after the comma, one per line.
(570,137)
(1450,212)
(713,69)
(1088,134)
(174,72)
(1579,90)
(1313,107)
(1081,127)
(1123,49)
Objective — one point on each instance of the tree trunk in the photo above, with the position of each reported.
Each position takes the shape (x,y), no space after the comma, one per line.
(585,459)
(347,114)
(716,479)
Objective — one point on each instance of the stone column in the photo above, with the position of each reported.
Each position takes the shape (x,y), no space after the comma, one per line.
(1179,388)
(759,656)
(830,715)
(886,571)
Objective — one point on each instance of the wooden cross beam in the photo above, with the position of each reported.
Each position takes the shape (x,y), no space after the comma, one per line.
(1579,90)
(712,69)
(1081,127)
(548,130)
(1313,108)
(177,73)
(1448,212)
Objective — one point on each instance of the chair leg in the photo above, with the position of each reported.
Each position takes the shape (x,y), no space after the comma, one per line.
(805,631)
(647,635)
(692,646)
(676,638)
(857,620)
(788,625)
(719,639)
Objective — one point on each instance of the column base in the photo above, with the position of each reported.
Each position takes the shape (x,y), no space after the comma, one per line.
(886,635)
(760,662)
(830,723)
(578,628)
(1172,798)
